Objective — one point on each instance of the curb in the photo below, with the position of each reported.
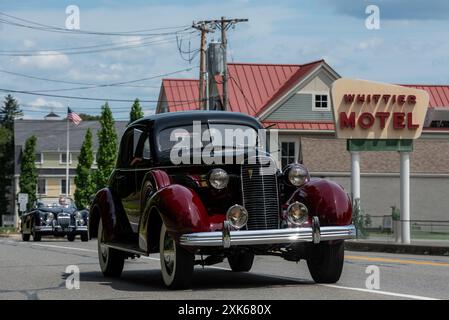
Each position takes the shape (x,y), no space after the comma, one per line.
(9,235)
(397,248)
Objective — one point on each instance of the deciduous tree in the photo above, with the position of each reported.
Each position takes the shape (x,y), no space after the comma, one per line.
(85,185)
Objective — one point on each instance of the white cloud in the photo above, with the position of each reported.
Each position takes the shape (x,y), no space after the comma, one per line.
(370,43)
(46,60)
(41,104)
(27,43)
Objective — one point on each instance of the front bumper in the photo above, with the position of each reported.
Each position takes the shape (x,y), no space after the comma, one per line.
(228,238)
(59,230)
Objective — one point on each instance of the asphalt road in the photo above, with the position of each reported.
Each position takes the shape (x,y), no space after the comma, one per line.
(38,271)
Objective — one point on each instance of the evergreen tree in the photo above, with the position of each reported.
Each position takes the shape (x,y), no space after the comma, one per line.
(85,186)
(107,149)
(28,175)
(8,112)
(136,111)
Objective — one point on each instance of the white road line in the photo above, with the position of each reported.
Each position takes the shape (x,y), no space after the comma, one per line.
(386,293)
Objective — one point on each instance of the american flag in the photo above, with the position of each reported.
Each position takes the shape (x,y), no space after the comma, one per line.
(73,116)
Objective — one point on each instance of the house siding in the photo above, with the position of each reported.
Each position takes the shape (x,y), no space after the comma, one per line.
(299,107)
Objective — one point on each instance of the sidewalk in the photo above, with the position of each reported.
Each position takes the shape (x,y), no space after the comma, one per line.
(424,247)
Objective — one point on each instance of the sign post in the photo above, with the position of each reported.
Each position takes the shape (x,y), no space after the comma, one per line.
(376,116)
(22,198)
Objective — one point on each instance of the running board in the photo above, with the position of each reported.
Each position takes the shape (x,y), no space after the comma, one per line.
(129,249)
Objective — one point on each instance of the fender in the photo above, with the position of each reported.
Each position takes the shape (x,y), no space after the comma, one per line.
(181,209)
(327,200)
(111,214)
(154,180)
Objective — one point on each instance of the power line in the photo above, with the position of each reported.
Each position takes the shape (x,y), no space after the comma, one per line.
(86,98)
(44,27)
(108,44)
(111,48)
(116,84)
(93,84)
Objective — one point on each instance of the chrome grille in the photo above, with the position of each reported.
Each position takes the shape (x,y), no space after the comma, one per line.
(64,221)
(260,194)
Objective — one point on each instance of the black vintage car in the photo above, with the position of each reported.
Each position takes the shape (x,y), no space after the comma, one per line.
(54,216)
(200,187)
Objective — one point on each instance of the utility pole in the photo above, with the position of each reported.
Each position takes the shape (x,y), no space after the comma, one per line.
(204,30)
(223,24)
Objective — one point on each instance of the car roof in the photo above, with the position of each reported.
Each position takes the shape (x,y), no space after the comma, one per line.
(170,119)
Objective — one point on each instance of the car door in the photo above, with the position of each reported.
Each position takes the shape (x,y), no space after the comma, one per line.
(139,164)
(124,177)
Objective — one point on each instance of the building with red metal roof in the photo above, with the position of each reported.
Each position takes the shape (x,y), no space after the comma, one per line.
(295,100)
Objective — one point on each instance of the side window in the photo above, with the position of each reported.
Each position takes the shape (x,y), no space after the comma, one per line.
(146,149)
(126,149)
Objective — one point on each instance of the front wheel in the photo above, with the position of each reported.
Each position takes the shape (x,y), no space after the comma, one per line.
(326,262)
(241,261)
(176,262)
(71,237)
(111,260)
(25,237)
(36,235)
(84,237)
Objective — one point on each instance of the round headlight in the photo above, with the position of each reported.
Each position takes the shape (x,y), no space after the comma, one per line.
(218,178)
(237,216)
(50,218)
(78,216)
(297,213)
(297,174)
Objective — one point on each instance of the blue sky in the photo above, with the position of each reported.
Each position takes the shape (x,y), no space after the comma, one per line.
(411,45)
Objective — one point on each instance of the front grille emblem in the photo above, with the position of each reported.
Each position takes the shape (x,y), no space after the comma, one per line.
(250,173)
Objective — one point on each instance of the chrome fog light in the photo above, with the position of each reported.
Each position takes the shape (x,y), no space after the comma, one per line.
(297,213)
(237,216)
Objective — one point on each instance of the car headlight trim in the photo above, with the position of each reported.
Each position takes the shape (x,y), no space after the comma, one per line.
(237,216)
(297,213)
(218,178)
(297,174)
(49,218)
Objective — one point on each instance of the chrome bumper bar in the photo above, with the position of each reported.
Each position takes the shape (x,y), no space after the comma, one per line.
(276,236)
(59,228)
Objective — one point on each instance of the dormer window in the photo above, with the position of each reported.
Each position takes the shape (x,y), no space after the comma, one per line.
(321,102)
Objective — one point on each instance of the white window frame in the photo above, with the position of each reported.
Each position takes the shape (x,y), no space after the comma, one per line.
(60,158)
(60,186)
(42,158)
(46,186)
(95,159)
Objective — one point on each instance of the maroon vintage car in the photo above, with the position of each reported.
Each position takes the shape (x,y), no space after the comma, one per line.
(200,187)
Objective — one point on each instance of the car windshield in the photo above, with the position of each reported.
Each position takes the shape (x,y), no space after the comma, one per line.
(55,202)
(217,135)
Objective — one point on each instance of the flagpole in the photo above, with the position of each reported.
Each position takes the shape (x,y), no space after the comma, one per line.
(67,159)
